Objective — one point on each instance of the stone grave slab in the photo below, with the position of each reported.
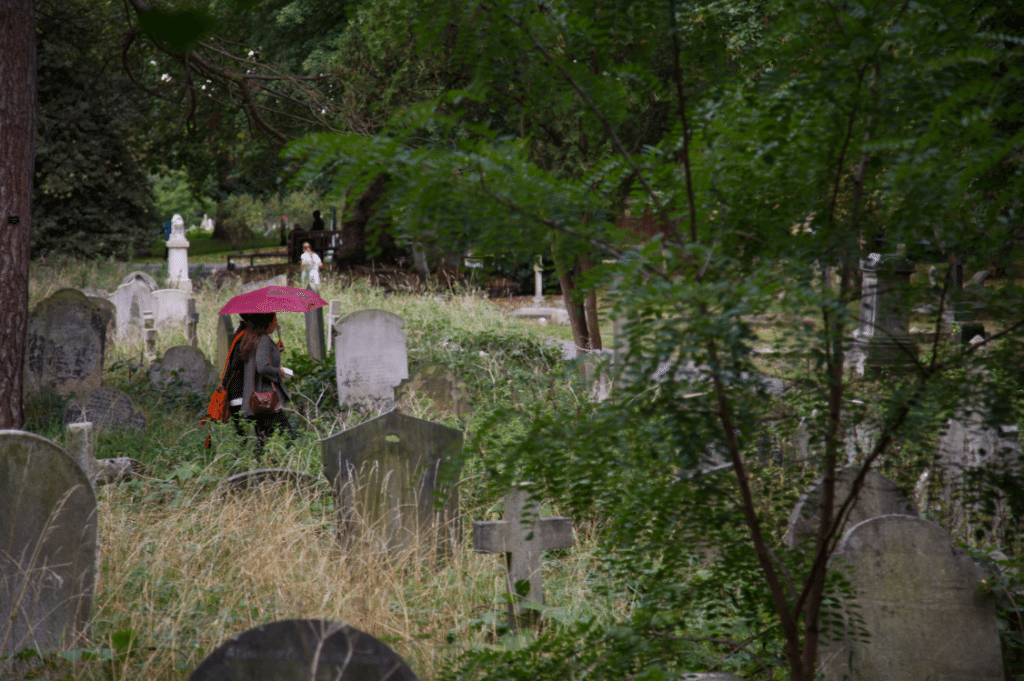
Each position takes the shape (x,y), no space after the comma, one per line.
(105,407)
(170,307)
(878,496)
(144,278)
(65,344)
(48,549)
(521,536)
(387,474)
(303,650)
(131,301)
(370,358)
(919,599)
(437,383)
(189,364)
(246,480)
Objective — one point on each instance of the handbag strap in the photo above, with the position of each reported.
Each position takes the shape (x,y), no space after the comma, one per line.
(228,361)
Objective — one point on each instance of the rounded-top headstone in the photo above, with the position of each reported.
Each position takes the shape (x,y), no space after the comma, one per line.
(105,407)
(878,496)
(310,650)
(65,344)
(189,364)
(144,277)
(48,545)
(918,599)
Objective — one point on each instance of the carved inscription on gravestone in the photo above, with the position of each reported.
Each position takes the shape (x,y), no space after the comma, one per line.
(303,650)
(371,358)
(65,344)
(48,545)
(919,599)
(387,474)
(105,407)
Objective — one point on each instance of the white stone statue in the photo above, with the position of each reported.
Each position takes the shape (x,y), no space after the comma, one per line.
(177,256)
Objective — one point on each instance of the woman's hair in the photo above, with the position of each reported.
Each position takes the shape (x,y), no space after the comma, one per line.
(305,243)
(254,325)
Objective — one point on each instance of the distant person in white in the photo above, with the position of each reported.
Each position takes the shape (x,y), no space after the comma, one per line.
(311,265)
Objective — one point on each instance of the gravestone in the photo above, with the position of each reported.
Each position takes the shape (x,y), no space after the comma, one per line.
(303,650)
(240,482)
(142,277)
(878,496)
(177,257)
(370,358)
(918,597)
(333,315)
(538,281)
(170,307)
(105,407)
(435,382)
(883,340)
(48,545)
(65,344)
(189,364)
(79,438)
(315,345)
(387,474)
(225,333)
(107,309)
(131,301)
(191,323)
(521,536)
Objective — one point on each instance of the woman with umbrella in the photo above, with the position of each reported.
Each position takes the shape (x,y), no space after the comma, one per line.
(254,370)
(253,380)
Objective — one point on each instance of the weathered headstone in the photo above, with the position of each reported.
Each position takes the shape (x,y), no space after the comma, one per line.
(879,496)
(131,301)
(521,536)
(919,600)
(387,474)
(370,358)
(191,323)
(170,307)
(333,315)
(107,309)
(48,549)
(65,344)
(225,333)
(437,383)
(315,345)
(303,650)
(883,339)
(105,407)
(150,334)
(189,364)
(80,448)
(143,277)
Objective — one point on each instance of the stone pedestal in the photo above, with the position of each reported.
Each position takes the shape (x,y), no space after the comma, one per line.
(538,282)
(177,257)
(883,340)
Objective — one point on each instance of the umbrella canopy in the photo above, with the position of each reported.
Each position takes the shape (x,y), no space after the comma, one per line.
(274,299)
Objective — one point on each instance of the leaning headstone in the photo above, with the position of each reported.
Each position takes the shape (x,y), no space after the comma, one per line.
(879,496)
(370,358)
(65,344)
(143,277)
(387,474)
(105,407)
(189,364)
(48,545)
(303,650)
(437,383)
(131,301)
(315,345)
(521,536)
(919,602)
(170,307)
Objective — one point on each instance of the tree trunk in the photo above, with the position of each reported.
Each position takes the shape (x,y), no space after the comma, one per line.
(17,167)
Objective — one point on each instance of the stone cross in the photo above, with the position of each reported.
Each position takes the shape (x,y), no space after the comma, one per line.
(177,256)
(521,536)
(191,323)
(538,282)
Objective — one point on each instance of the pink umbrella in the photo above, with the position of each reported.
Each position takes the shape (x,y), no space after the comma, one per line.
(274,299)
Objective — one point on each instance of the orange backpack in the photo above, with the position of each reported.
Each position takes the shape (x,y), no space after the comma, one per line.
(218,410)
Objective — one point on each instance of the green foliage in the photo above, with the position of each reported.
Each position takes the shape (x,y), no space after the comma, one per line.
(90,197)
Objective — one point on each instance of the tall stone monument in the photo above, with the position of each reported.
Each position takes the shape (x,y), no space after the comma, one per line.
(883,339)
(177,257)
